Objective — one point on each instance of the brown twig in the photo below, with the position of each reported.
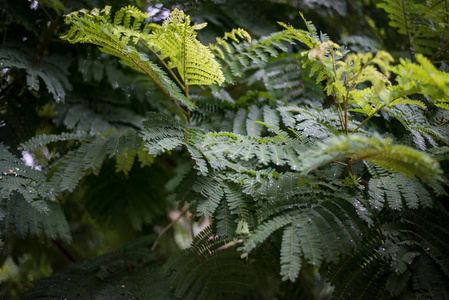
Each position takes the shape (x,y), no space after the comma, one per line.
(191,225)
(46,12)
(48,39)
(168,227)
(64,251)
(444,48)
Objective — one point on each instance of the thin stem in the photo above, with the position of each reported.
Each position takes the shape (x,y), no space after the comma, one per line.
(168,227)
(64,251)
(185,74)
(48,38)
(408,33)
(336,100)
(183,87)
(182,109)
(345,102)
(340,163)
(349,166)
(185,64)
(340,111)
(46,12)
(444,48)
(191,226)
(165,64)
(198,97)
(442,123)
(155,81)
(369,117)
(353,85)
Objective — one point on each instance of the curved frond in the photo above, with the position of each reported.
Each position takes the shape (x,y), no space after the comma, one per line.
(228,147)
(288,81)
(374,149)
(95,27)
(426,132)
(45,139)
(176,41)
(162,133)
(237,56)
(396,190)
(90,156)
(107,116)
(27,204)
(211,188)
(325,232)
(225,221)
(407,258)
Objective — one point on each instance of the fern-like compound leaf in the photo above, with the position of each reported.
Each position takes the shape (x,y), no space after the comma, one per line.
(237,201)
(396,191)
(24,180)
(227,148)
(53,71)
(408,257)
(95,27)
(162,133)
(176,40)
(44,139)
(211,188)
(423,23)
(424,78)
(237,52)
(265,230)
(226,221)
(19,218)
(290,253)
(27,204)
(252,127)
(90,156)
(374,149)
(425,131)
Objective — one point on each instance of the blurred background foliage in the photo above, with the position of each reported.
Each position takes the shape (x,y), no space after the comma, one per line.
(99,94)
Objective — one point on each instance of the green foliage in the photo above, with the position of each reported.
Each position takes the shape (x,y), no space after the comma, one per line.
(90,156)
(27,202)
(405,160)
(51,70)
(175,40)
(315,171)
(395,188)
(425,79)
(237,52)
(422,22)
(121,196)
(202,271)
(110,275)
(22,219)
